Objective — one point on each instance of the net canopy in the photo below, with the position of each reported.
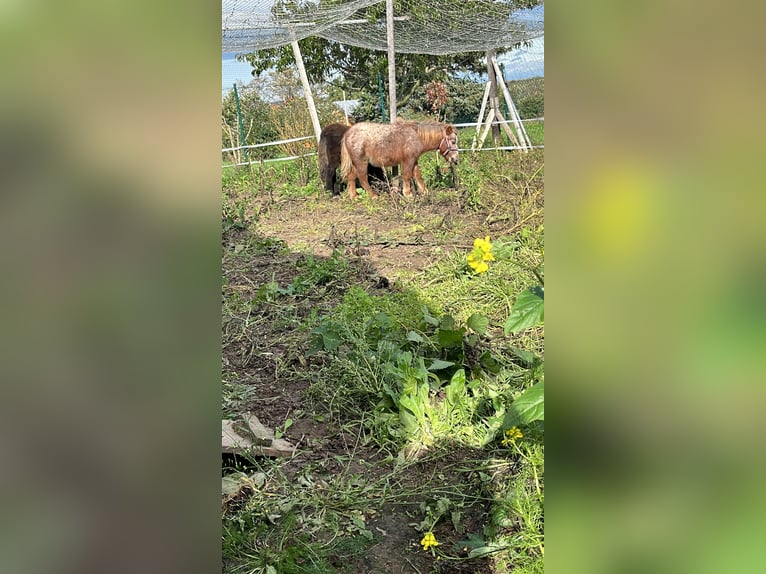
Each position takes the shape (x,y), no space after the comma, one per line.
(420,26)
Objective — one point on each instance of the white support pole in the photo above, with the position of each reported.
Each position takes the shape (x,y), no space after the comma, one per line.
(509,131)
(515,112)
(490,119)
(391,63)
(523,137)
(307,89)
(481,116)
(345,106)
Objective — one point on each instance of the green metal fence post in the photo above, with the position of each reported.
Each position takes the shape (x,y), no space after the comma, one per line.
(239,120)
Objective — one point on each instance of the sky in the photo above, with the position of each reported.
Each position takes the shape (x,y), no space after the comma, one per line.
(519,64)
(525,62)
(234,72)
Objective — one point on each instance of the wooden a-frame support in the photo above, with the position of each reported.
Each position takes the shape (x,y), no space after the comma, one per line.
(520,139)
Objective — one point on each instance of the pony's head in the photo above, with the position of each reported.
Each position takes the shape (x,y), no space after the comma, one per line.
(448,145)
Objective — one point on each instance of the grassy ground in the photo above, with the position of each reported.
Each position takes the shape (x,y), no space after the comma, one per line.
(358,331)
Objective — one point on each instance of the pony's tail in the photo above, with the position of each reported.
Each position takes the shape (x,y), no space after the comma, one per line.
(345,161)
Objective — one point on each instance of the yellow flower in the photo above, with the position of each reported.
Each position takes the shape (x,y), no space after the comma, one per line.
(511,435)
(429,541)
(479,266)
(482,252)
(482,244)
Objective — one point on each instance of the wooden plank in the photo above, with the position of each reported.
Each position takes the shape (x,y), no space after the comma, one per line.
(236,439)
(231,440)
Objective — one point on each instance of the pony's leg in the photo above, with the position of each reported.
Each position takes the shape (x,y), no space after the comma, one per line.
(362,175)
(407,170)
(419,180)
(352,183)
(328,179)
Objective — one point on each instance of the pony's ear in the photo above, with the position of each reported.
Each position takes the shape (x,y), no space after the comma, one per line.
(450,130)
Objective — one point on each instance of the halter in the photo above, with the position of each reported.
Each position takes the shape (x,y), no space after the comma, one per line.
(444,143)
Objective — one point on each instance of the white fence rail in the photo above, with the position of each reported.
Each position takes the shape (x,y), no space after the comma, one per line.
(267,144)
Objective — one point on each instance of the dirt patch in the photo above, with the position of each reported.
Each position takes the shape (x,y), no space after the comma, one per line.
(394,237)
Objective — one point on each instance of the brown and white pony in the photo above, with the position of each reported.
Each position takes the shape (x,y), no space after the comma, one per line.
(385,145)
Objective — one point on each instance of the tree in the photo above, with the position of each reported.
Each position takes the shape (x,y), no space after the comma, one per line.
(356,70)
(256,121)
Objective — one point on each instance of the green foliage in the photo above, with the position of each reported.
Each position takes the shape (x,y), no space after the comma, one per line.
(233,217)
(463,101)
(528,407)
(368,109)
(529,310)
(356,69)
(531,107)
(516,519)
(256,122)
(268,526)
(403,368)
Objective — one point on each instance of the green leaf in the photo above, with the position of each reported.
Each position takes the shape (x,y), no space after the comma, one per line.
(481,551)
(412,404)
(489,363)
(528,358)
(330,340)
(358,521)
(438,364)
(414,337)
(327,336)
(478,323)
(456,388)
(231,484)
(428,318)
(528,310)
(408,421)
(450,338)
(528,407)
(456,516)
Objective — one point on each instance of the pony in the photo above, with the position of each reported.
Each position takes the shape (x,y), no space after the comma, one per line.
(384,145)
(328,152)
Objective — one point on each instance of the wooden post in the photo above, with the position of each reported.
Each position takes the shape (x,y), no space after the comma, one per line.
(493,101)
(391,63)
(307,89)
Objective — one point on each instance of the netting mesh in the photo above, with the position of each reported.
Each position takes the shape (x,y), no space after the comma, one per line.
(421,26)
